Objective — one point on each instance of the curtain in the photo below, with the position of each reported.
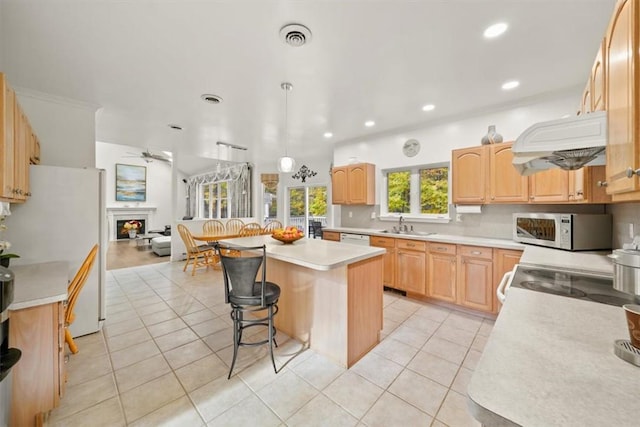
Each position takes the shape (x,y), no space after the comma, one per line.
(238,177)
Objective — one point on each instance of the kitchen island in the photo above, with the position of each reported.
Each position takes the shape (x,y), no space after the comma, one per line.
(550,361)
(331,294)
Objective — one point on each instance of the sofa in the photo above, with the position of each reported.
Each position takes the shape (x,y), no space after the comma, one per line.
(161,245)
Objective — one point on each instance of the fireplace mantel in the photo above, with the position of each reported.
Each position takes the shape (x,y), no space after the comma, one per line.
(129,209)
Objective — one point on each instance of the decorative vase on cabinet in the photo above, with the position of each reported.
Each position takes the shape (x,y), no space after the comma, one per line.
(492,137)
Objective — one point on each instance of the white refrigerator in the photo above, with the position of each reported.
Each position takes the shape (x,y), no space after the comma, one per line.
(61,221)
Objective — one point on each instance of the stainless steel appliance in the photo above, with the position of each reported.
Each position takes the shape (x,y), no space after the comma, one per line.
(355,239)
(567,231)
(8,356)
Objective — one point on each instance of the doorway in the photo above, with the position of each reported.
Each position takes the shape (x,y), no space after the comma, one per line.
(306,204)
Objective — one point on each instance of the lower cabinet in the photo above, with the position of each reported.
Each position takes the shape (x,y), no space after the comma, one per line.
(411,266)
(475,278)
(39,376)
(388,259)
(441,272)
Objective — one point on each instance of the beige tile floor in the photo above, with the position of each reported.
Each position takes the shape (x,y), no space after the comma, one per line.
(164,353)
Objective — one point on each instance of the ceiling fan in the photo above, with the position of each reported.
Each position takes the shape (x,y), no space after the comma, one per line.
(149,157)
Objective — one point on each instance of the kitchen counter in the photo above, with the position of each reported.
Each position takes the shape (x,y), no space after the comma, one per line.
(595,261)
(442,238)
(550,361)
(39,284)
(316,254)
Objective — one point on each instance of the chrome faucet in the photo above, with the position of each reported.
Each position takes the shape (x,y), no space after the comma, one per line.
(401,225)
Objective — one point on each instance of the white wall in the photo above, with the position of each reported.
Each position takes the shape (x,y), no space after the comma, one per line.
(66,129)
(439,139)
(159,181)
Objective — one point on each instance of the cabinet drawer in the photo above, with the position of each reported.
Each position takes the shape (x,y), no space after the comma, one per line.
(384,242)
(442,248)
(414,245)
(331,235)
(476,252)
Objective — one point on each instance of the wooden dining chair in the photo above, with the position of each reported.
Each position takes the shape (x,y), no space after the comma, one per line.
(73,290)
(233,226)
(272,225)
(251,229)
(198,256)
(213,227)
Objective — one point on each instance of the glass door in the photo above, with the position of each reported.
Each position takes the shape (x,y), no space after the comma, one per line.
(306,204)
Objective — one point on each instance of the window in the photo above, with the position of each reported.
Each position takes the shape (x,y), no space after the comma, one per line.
(418,192)
(215,200)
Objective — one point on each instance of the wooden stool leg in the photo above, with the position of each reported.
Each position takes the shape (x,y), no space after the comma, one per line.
(69,339)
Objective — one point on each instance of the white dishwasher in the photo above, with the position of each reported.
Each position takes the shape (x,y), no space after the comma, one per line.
(354,239)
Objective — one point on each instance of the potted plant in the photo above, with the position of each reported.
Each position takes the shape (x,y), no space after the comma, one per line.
(132,228)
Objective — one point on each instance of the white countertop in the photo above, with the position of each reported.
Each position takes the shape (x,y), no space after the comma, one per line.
(39,284)
(549,361)
(594,261)
(442,238)
(316,254)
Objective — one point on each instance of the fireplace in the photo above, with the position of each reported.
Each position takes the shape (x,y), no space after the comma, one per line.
(116,214)
(123,233)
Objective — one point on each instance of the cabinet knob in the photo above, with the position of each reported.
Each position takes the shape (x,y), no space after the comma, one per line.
(602,183)
(531,197)
(28,194)
(476,252)
(580,193)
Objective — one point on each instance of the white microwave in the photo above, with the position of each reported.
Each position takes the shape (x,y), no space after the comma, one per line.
(571,232)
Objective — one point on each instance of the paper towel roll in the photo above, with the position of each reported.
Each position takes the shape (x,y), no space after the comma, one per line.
(468,209)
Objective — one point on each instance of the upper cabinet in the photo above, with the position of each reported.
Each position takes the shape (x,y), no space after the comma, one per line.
(485,175)
(598,81)
(353,184)
(622,95)
(19,146)
(469,175)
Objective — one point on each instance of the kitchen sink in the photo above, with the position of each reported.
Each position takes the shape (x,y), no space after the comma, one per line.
(409,233)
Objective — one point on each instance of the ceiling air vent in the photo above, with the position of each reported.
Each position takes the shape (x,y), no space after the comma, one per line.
(212,99)
(295,35)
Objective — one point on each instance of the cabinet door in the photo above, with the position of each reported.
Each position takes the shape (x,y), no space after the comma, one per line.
(339,185)
(441,270)
(410,271)
(598,87)
(506,185)
(503,262)
(361,184)
(21,155)
(7,138)
(621,95)
(577,188)
(475,278)
(469,175)
(388,259)
(585,105)
(549,186)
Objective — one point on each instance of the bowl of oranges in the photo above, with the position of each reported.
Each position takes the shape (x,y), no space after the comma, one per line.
(287,235)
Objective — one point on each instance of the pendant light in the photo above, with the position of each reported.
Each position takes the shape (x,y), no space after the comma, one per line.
(286,164)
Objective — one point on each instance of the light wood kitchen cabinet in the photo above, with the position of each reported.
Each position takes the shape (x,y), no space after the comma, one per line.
(598,81)
(549,186)
(475,277)
(622,59)
(353,184)
(469,175)
(39,376)
(503,262)
(506,185)
(411,266)
(331,235)
(441,272)
(16,146)
(586,104)
(388,259)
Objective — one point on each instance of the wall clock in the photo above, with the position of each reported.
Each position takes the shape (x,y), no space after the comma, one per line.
(411,147)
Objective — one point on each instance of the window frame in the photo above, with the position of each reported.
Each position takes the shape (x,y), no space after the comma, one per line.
(414,195)
(201,202)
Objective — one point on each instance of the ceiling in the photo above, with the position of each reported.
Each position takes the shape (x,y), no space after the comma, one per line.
(146,63)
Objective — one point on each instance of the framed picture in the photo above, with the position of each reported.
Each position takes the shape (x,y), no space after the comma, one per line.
(131,183)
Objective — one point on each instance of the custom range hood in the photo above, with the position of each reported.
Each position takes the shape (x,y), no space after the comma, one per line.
(569,144)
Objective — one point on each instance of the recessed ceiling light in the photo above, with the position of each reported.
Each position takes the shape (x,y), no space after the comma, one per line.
(212,99)
(511,85)
(176,127)
(168,153)
(495,30)
(369,123)
(328,134)
(428,107)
